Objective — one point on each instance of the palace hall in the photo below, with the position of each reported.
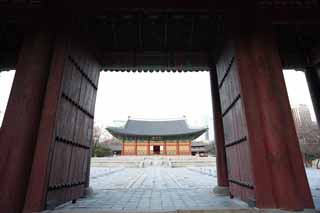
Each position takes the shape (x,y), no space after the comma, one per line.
(156,137)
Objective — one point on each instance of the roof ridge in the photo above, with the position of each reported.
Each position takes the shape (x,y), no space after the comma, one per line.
(157,119)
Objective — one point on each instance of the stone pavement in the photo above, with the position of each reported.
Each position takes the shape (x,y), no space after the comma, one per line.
(158,188)
(314,182)
(153,188)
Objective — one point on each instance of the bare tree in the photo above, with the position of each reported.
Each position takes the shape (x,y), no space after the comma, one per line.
(97,134)
(309,139)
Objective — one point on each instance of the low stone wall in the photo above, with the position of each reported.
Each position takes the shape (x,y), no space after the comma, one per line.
(193,163)
(157,161)
(127,162)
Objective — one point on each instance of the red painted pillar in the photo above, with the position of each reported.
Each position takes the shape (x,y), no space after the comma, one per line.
(278,170)
(222,170)
(122,146)
(21,121)
(178,152)
(165,148)
(136,147)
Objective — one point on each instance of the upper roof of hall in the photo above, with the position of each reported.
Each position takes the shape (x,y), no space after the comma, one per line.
(168,127)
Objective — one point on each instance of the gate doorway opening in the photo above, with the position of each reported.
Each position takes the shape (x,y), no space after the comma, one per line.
(167,177)
(53,102)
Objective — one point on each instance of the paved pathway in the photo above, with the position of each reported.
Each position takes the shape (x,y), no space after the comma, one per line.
(314,182)
(153,188)
(156,188)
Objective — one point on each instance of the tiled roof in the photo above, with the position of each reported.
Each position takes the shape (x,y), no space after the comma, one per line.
(155,128)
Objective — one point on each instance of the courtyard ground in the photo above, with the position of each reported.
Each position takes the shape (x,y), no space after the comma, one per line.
(158,188)
(154,188)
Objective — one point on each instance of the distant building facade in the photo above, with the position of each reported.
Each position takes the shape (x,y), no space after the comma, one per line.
(149,137)
(302,117)
(200,149)
(115,145)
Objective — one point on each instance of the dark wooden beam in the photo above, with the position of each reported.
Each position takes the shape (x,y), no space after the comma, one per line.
(192,32)
(165,32)
(114,33)
(140,30)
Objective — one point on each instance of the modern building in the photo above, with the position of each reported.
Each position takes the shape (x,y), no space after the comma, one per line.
(156,137)
(301,116)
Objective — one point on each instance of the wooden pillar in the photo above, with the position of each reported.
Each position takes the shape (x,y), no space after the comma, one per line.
(164,148)
(313,80)
(222,170)
(279,176)
(136,147)
(178,152)
(21,120)
(148,151)
(122,147)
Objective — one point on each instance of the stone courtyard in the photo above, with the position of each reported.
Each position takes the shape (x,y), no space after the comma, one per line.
(162,189)
(153,188)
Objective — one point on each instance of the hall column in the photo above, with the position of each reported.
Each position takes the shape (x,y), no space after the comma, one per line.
(222,170)
(22,117)
(279,176)
(122,147)
(177,148)
(136,147)
(313,80)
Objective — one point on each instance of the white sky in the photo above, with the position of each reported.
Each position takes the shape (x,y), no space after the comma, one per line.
(298,90)
(160,95)
(6,79)
(153,95)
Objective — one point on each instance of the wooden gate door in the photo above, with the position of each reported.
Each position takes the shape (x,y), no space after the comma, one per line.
(240,177)
(264,162)
(63,149)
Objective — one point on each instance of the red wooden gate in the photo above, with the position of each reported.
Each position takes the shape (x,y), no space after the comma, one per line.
(74,125)
(63,148)
(235,128)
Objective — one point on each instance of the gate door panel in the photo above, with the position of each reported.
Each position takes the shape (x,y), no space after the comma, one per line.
(74,124)
(235,128)
(62,155)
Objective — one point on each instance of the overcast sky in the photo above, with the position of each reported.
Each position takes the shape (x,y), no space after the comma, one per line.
(160,95)
(298,90)
(6,79)
(153,96)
